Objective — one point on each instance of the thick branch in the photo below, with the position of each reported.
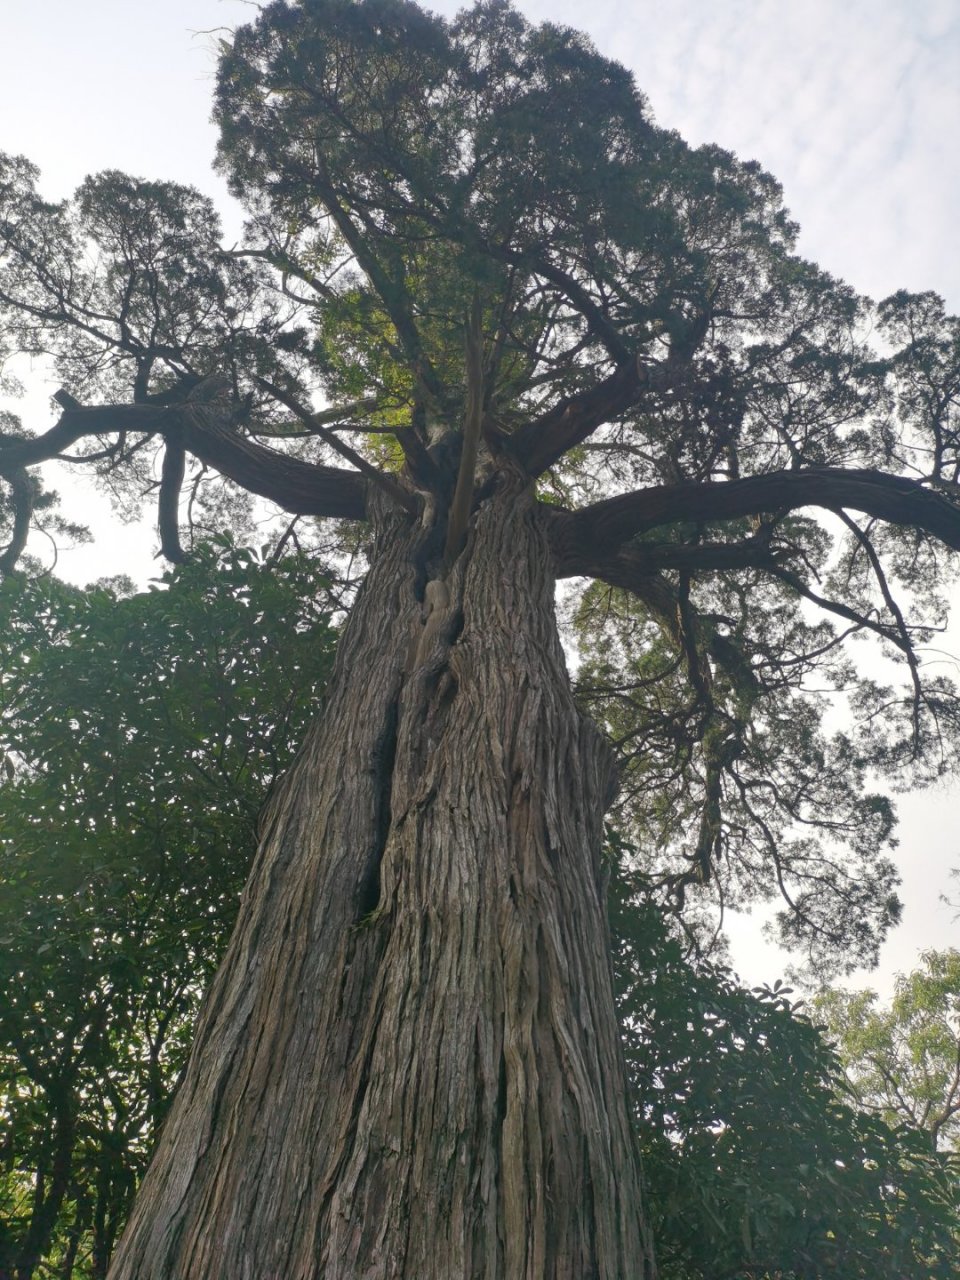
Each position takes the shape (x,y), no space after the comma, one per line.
(624,565)
(541,443)
(315,424)
(608,524)
(836,606)
(420,466)
(302,488)
(21,492)
(168,506)
(75,423)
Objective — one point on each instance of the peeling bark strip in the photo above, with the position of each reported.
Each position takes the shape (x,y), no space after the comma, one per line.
(431,1087)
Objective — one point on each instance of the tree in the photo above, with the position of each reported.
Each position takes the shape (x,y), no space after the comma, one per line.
(564,345)
(903,1061)
(757,1162)
(124,842)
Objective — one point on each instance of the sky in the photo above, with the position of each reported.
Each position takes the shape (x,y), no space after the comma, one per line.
(854,105)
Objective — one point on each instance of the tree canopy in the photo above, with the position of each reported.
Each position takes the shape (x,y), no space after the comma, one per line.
(686,391)
(903,1058)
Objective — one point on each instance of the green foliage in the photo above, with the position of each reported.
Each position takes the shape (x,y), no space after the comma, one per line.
(903,1058)
(757,1164)
(407,160)
(140,733)
(722,781)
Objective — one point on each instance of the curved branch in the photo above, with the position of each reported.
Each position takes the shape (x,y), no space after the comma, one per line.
(393,295)
(605,525)
(205,430)
(75,423)
(302,488)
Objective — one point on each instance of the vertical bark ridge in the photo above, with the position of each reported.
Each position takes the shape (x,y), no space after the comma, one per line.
(431,1088)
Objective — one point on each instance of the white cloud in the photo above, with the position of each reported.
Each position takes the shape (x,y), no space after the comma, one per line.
(854,107)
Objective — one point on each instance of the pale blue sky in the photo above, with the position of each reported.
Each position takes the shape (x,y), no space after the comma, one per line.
(853,104)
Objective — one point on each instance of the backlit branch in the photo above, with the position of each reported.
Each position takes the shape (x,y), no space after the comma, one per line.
(168,505)
(21,493)
(541,443)
(608,524)
(205,431)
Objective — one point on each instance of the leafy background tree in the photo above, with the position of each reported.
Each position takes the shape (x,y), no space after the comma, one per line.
(141,733)
(759,1160)
(902,1056)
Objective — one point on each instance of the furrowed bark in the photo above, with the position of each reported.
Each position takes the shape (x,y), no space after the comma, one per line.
(408,1067)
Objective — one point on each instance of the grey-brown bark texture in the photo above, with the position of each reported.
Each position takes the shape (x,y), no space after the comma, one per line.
(408,1065)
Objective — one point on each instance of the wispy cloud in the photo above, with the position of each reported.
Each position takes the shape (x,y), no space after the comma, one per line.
(855,107)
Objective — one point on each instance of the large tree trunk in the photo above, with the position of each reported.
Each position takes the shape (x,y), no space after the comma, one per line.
(408,1065)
